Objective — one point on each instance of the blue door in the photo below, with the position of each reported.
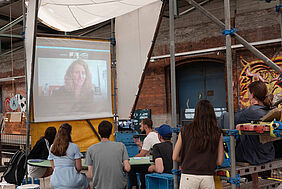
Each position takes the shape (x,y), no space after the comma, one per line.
(200,80)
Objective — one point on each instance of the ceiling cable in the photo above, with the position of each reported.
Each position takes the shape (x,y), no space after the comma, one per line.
(12,55)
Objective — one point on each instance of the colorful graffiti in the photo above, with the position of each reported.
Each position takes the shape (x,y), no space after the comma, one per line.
(13,103)
(258,70)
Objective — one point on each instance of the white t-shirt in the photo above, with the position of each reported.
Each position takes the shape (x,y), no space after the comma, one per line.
(150,140)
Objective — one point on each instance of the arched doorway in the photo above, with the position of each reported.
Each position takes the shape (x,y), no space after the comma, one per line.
(200,80)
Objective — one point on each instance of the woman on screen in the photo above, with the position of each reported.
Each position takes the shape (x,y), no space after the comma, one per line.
(78,88)
(77,80)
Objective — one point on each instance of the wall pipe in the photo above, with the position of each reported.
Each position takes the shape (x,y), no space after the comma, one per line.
(172,82)
(211,50)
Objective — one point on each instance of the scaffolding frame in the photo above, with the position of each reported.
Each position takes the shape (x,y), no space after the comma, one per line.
(227,27)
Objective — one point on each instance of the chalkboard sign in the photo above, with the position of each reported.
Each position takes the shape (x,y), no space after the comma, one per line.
(139,115)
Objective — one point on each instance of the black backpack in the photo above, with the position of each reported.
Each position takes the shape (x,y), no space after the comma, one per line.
(16,169)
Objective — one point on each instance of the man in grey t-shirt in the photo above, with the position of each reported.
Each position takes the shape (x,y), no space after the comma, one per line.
(107,160)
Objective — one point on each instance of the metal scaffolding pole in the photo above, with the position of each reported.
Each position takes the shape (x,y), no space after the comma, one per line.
(172,76)
(113,50)
(280,12)
(29,97)
(251,48)
(230,88)
(14,22)
(25,73)
(10,35)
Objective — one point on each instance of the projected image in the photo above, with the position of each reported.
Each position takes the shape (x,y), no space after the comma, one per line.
(72,82)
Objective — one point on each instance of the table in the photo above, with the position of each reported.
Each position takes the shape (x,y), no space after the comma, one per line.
(47,163)
(134,161)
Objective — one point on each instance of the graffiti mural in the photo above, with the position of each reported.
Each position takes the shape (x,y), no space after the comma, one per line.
(14,103)
(258,70)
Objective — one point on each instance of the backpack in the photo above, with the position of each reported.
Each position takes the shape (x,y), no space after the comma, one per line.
(16,169)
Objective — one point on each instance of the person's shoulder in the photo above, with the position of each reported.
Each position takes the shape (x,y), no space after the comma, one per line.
(93,146)
(157,145)
(152,134)
(256,110)
(161,144)
(73,145)
(41,140)
(118,144)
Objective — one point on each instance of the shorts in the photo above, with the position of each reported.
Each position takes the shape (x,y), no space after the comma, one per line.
(196,181)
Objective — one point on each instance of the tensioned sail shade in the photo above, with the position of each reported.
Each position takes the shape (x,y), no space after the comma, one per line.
(70,15)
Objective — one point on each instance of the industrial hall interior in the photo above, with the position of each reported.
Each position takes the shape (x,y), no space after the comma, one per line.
(149,94)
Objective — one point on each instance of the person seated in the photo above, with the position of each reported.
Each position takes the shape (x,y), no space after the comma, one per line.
(107,160)
(65,160)
(150,140)
(162,152)
(41,151)
(249,148)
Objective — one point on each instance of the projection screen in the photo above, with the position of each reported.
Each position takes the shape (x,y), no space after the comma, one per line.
(72,80)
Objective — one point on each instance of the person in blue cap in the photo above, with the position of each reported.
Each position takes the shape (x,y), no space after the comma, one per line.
(162,152)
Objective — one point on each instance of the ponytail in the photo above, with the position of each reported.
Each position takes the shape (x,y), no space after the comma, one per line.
(267,102)
(259,91)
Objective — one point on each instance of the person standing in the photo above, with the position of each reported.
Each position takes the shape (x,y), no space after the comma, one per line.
(107,161)
(162,152)
(199,148)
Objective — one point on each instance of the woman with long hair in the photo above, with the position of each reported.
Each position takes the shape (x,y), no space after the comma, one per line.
(199,148)
(78,78)
(78,90)
(249,148)
(41,151)
(65,159)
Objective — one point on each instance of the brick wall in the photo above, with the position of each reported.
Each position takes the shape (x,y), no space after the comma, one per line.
(12,65)
(254,20)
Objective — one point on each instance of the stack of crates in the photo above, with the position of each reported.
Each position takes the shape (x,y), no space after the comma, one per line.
(31,181)
(226,145)
(159,181)
(126,137)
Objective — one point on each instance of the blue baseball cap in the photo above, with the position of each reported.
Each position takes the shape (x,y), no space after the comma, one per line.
(163,130)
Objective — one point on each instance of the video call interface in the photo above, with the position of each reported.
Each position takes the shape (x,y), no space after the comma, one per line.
(72,80)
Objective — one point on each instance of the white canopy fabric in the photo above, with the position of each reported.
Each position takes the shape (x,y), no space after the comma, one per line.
(134,35)
(70,15)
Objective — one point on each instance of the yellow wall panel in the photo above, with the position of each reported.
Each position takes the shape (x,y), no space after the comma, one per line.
(82,133)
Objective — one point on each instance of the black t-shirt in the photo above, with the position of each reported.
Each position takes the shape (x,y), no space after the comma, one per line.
(164,150)
(39,151)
